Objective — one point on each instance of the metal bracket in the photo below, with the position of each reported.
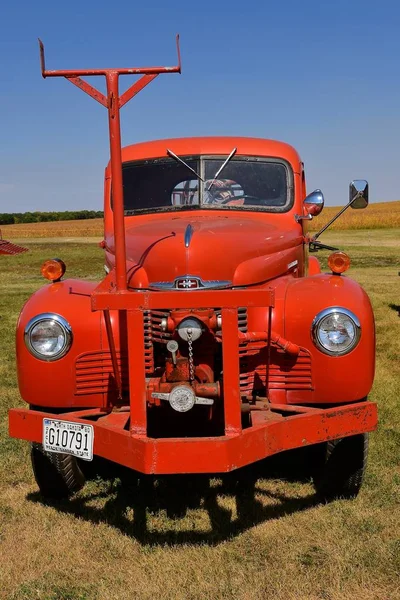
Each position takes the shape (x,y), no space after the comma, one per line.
(299,218)
(198,399)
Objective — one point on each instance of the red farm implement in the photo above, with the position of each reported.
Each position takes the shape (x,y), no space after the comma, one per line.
(9,248)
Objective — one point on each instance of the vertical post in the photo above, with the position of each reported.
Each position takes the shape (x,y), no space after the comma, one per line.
(113,352)
(230,368)
(116,178)
(268,350)
(137,373)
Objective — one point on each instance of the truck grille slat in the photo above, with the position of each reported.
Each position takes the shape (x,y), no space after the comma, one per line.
(284,373)
(156,334)
(94,373)
(242,319)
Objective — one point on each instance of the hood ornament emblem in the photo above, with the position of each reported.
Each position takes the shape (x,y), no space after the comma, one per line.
(189,282)
(188,235)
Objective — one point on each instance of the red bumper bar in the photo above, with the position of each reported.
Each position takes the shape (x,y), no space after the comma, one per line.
(206,455)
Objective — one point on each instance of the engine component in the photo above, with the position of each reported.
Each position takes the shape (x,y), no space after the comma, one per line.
(182,398)
(172,347)
(190,327)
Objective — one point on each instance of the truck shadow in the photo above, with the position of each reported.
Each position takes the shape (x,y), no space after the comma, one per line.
(395,307)
(190,509)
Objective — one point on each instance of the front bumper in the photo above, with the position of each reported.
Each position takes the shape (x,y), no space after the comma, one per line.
(271,432)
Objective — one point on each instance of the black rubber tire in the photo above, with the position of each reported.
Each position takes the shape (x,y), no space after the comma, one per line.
(57,475)
(342,467)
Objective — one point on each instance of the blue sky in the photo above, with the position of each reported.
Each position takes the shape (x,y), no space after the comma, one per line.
(323,76)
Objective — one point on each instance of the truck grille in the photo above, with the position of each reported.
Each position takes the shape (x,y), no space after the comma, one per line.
(94,373)
(284,373)
(155,318)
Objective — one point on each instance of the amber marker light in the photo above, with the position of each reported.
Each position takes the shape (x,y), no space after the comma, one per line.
(53,269)
(339,262)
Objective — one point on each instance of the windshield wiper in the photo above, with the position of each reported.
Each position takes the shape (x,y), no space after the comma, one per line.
(176,157)
(221,168)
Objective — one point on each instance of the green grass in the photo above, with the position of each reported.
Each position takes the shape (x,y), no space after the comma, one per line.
(198,537)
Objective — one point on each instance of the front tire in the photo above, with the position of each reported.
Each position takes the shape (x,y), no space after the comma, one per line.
(58,475)
(342,467)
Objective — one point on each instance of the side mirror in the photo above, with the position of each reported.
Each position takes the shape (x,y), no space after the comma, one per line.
(314,203)
(358,193)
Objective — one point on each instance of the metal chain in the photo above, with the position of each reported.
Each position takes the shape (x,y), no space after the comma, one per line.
(190,348)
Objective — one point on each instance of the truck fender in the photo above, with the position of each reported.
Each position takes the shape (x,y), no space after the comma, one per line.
(54,383)
(314,266)
(335,379)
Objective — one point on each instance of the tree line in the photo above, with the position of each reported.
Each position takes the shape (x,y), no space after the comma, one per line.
(45,217)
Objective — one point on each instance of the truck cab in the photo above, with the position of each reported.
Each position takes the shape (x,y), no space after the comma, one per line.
(244,216)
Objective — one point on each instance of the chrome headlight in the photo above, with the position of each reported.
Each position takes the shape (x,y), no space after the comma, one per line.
(336,331)
(48,336)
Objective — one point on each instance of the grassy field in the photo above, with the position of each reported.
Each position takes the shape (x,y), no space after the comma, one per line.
(198,537)
(377,216)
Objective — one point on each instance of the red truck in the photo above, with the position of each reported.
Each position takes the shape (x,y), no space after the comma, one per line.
(214,340)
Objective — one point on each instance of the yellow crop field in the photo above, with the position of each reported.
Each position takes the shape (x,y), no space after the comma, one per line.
(382,215)
(54,229)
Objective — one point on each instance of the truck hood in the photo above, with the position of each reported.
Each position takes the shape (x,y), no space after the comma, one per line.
(222,251)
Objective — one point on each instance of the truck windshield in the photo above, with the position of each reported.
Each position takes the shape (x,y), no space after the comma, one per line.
(243,184)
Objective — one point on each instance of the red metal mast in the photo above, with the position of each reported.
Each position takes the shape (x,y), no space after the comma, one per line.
(113,102)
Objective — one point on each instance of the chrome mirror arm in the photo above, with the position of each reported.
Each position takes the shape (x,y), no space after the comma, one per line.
(316,236)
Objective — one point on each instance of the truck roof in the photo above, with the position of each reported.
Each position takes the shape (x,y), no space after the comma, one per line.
(212,145)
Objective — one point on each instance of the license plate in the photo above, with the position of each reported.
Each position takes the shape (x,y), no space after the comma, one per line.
(67,437)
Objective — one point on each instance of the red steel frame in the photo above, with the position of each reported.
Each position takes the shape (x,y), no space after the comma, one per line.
(113,102)
(137,302)
(121,433)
